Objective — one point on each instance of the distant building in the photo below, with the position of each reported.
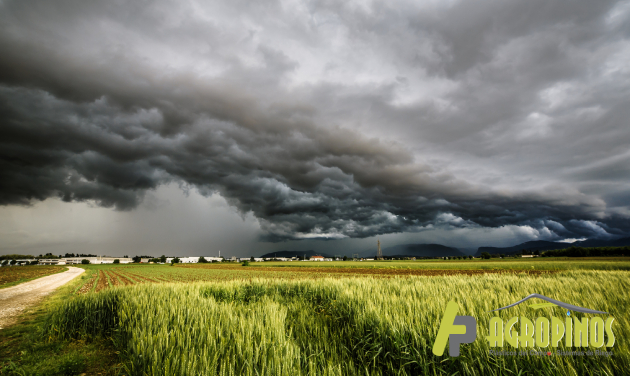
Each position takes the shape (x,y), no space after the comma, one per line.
(49,262)
(92,260)
(317,258)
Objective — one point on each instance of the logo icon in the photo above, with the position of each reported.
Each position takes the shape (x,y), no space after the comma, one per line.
(543,331)
(455,330)
(552,302)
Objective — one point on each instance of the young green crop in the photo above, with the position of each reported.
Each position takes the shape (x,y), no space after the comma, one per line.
(334,326)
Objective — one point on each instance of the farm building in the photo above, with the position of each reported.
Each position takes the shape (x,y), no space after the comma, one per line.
(77,260)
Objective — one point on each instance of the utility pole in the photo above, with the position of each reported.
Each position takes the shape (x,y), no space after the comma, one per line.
(379,254)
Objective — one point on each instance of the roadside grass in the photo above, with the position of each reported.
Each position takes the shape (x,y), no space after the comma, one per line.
(14,275)
(25,350)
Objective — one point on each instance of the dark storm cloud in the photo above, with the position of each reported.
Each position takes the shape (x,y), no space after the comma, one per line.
(104,101)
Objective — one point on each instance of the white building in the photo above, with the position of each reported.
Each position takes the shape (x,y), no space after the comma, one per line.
(78,260)
(193,259)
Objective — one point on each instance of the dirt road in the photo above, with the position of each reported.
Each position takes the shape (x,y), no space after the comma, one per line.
(14,300)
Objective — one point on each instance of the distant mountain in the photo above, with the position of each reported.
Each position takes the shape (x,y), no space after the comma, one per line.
(417,250)
(295,253)
(623,242)
(543,245)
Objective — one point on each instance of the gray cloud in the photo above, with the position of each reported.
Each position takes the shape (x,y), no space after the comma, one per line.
(322,120)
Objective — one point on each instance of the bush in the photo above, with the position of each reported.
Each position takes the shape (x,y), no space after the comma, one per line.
(85,262)
(245,263)
(116,261)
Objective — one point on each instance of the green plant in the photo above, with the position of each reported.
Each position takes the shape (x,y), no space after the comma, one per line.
(70,365)
(245,263)
(332,326)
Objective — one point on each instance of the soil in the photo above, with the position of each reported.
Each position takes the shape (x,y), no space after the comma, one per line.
(123,279)
(102,281)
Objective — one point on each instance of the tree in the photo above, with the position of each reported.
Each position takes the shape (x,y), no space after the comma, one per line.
(537,252)
(136,259)
(13,262)
(252,259)
(202,260)
(176,260)
(245,263)
(162,259)
(5,262)
(345,258)
(502,255)
(116,261)
(85,262)
(470,257)
(485,255)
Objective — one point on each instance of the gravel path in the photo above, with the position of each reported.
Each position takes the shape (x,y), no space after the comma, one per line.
(14,300)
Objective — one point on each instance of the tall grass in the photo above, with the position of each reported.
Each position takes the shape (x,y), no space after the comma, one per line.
(358,326)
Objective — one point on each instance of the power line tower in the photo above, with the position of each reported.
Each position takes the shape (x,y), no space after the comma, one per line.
(379,254)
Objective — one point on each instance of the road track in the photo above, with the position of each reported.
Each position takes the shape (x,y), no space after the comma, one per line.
(14,300)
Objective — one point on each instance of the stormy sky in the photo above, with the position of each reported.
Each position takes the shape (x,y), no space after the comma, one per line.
(188,127)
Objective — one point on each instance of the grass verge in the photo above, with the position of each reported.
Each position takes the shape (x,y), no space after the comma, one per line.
(26,351)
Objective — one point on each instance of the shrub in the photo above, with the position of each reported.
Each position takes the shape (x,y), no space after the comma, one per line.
(116,261)
(85,262)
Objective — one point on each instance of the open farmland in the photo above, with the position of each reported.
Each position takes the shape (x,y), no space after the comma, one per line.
(99,277)
(539,263)
(10,276)
(331,326)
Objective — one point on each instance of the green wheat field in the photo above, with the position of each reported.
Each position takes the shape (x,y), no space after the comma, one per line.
(333,325)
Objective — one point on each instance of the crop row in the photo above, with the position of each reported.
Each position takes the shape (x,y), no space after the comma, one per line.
(344,326)
(104,276)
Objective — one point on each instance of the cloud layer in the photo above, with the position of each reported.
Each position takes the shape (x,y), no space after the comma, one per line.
(322,119)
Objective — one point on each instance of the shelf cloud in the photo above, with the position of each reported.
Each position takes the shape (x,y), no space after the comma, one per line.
(326,120)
